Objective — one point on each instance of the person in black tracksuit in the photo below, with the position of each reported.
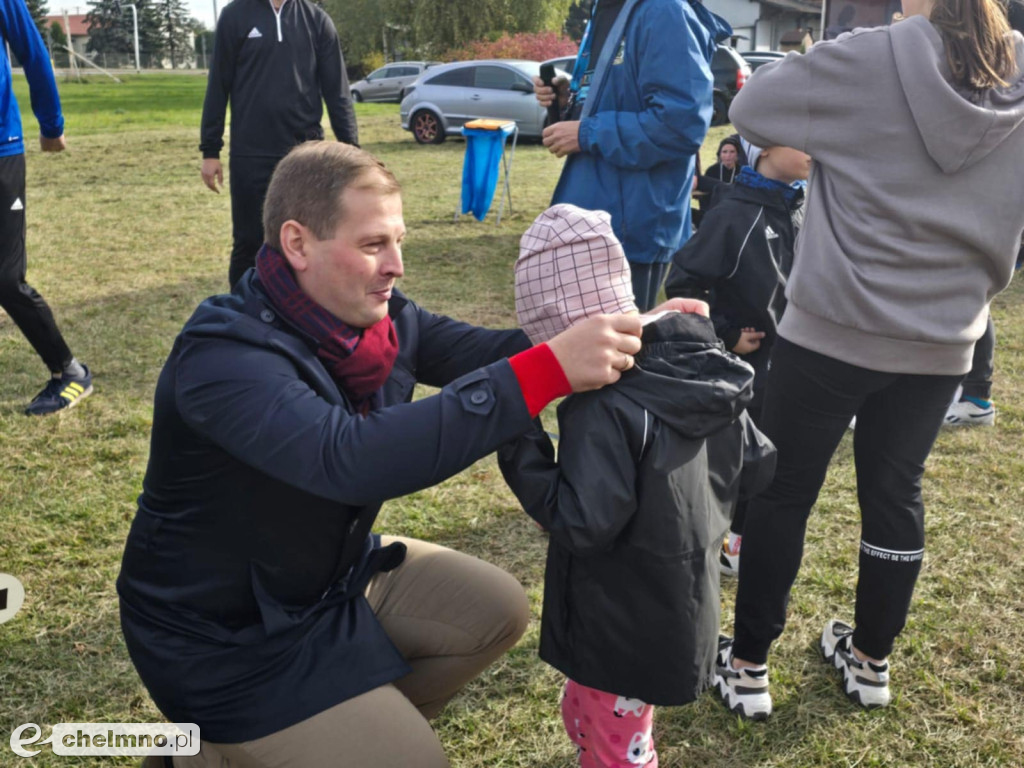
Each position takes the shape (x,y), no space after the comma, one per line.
(738,261)
(274,62)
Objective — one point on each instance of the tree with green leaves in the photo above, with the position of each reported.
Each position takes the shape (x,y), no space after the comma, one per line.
(578,18)
(39,12)
(178,31)
(360,25)
(429,27)
(451,23)
(110,28)
(55,35)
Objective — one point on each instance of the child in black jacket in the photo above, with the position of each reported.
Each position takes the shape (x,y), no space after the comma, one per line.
(738,262)
(637,501)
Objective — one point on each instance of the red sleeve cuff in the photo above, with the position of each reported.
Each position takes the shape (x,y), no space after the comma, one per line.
(540,376)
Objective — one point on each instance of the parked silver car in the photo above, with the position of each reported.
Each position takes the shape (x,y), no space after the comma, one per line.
(758,58)
(564,63)
(448,96)
(389,82)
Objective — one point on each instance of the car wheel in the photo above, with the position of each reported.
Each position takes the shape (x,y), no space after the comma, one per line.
(427,128)
(357,96)
(720,115)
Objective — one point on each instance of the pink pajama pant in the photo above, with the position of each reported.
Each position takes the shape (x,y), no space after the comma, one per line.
(609,731)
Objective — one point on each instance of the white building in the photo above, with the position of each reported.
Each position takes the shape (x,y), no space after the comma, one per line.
(760,24)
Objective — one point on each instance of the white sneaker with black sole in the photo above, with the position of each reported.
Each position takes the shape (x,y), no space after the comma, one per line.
(864,682)
(971,412)
(744,691)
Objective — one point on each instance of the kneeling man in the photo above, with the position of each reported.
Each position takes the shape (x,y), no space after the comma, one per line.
(255,601)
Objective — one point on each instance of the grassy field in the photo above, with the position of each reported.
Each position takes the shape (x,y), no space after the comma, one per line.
(124,241)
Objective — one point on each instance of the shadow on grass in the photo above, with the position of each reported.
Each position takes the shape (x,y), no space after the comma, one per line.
(124,337)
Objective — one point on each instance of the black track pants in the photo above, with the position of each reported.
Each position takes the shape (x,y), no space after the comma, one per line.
(21,301)
(249,178)
(809,401)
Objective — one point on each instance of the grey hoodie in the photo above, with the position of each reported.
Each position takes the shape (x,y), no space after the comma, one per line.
(915,202)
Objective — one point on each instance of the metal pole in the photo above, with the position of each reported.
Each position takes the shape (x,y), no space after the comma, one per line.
(135,28)
(71,59)
(215,14)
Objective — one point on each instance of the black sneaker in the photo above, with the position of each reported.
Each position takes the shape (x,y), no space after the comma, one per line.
(744,691)
(62,393)
(864,682)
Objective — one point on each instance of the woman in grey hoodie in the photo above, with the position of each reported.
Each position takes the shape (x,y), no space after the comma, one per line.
(890,287)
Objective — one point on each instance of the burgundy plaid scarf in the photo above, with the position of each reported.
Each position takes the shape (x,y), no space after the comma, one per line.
(359,360)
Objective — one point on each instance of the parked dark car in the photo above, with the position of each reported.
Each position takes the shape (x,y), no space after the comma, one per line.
(758,58)
(389,82)
(448,96)
(731,72)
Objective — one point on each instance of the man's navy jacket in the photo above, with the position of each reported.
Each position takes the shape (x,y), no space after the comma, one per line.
(242,581)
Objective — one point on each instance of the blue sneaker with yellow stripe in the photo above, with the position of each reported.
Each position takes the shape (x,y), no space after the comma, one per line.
(61,393)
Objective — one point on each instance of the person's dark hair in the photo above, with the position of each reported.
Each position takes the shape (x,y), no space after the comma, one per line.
(733,140)
(979,48)
(308,183)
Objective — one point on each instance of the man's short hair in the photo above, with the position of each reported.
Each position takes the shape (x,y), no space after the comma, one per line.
(308,183)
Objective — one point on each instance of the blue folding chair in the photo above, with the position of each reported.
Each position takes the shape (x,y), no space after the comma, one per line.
(485,157)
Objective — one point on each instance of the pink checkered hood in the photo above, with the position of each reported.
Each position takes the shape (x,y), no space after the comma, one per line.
(571,266)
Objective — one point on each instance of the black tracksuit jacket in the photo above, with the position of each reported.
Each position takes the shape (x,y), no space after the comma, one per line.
(275,68)
(738,262)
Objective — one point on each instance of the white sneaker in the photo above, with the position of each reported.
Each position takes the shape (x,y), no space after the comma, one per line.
(968,413)
(864,682)
(744,691)
(729,556)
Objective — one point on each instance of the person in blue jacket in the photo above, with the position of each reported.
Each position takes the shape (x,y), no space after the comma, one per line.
(255,601)
(70,380)
(634,116)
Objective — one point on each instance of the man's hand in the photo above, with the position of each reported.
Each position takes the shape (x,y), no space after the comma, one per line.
(687,306)
(595,352)
(52,145)
(213,174)
(546,94)
(562,138)
(750,341)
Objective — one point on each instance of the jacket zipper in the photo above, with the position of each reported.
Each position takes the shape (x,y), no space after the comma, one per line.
(277,16)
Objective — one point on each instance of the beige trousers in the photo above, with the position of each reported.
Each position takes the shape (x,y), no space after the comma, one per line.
(451,615)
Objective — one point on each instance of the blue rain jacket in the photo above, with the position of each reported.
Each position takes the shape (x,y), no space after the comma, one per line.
(20,32)
(646,114)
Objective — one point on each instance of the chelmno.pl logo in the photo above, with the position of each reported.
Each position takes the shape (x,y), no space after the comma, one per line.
(109,739)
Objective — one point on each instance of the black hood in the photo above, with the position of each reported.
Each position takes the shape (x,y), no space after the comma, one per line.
(734,141)
(684,376)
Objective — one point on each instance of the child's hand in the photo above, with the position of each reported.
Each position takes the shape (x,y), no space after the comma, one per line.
(750,341)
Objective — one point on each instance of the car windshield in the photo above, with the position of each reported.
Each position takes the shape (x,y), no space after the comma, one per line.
(528,68)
